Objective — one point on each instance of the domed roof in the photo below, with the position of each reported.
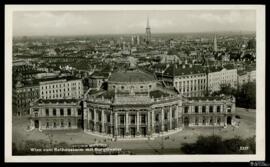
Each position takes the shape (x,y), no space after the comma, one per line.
(131,76)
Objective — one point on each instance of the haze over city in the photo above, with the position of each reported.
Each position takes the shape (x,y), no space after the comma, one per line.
(33,23)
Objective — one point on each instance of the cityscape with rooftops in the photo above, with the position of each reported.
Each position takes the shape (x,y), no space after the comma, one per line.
(148,93)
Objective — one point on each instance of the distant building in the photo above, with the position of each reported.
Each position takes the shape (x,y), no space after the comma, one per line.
(246,76)
(61,88)
(56,114)
(97,79)
(138,40)
(169,59)
(187,79)
(148,32)
(23,94)
(221,75)
(215,47)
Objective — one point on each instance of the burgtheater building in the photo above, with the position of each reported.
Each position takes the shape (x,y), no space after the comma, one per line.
(135,105)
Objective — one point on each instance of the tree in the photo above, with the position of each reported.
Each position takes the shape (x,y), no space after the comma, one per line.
(246,96)
(216,145)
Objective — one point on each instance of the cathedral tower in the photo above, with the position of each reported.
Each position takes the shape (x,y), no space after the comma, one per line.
(148,32)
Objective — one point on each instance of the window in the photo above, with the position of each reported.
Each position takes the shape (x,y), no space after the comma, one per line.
(54,124)
(143,119)
(150,86)
(69,124)
(218,108)
(196,109)
(141,87)
(79,112)
(61,112)
(186,110)
(196,121)
(203,109)
(62,123)
(99,116)
(54,112)
(92,114)
(218,121)
(122,119)
(122,87)
(211,109)
(69,111)
(165,115)
(47,125)
(132,119)
(211,121)
(108,118)
(157,117)
(228,108)
(47,112)
(203,121)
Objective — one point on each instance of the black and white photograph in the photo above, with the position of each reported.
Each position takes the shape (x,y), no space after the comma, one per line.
(146,82)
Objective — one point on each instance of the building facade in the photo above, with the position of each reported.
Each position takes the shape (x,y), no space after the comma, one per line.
(23,94)
(56,114)
(61,88)
(218,76)
(189,80)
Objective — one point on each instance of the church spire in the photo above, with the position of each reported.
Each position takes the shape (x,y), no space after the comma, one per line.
(215,43)
(148,32)
(147,24)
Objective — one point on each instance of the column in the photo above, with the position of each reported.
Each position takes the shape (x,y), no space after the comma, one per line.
(111,122)
(207,109)
(102,121)
(176,115)
(115,124)
(127,122)
(88,118)
(138,122)
(148,122)
(162,119)
(153,121)
(170,117)
(214,109)
(95,119)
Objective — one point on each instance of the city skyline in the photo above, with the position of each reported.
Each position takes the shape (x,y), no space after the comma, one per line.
(65,23)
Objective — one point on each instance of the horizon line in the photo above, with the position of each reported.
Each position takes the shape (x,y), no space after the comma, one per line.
(157,33)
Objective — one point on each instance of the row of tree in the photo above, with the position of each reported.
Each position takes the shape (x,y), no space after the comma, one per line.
(245,95)
(216,145)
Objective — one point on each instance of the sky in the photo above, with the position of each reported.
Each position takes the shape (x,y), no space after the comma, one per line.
(28,23)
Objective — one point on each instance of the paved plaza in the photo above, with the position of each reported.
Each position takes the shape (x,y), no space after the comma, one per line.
(171,144)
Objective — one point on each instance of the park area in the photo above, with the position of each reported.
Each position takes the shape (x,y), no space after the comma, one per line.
(160,145)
